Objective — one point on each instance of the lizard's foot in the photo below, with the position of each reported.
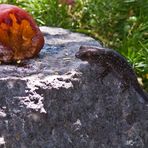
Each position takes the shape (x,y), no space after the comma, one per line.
(103,74)
(124,86)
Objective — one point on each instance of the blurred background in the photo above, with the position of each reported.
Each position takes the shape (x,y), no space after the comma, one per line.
(118,24)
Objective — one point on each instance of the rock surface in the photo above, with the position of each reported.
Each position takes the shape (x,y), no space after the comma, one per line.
(57,101)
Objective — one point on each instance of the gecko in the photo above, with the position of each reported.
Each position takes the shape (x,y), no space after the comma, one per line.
(111,60)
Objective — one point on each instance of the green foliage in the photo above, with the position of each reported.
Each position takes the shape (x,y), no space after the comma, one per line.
(48,12)
(120,24)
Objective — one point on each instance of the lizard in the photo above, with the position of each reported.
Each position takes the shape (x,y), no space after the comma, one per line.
(111,60)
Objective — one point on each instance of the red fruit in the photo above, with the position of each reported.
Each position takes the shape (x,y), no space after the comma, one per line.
(20,37)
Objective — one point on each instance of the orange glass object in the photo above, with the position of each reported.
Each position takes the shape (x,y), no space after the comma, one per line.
(20,37)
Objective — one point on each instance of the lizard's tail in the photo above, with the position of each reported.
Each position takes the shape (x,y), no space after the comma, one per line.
(145,97)
(142,93)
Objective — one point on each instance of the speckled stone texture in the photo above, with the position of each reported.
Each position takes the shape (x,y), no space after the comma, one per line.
(58,101)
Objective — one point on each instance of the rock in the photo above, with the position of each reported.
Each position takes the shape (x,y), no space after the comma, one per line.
(57,101)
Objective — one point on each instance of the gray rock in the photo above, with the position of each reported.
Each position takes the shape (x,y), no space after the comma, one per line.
(57,101)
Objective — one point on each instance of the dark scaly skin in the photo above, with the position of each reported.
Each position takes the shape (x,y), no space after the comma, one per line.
(112,61)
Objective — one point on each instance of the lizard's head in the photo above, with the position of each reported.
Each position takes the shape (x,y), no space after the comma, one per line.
(89,54)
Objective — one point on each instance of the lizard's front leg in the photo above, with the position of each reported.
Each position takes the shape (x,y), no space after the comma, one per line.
(106,71)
